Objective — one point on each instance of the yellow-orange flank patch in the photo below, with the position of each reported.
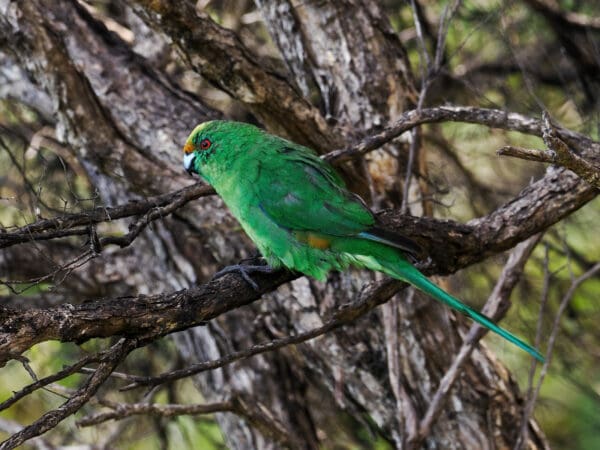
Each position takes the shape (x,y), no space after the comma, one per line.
(318,242)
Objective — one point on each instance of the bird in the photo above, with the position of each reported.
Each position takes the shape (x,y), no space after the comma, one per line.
(297,210)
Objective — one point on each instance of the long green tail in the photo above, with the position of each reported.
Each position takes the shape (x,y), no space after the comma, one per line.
(389,261)
(421,282)
(376,255)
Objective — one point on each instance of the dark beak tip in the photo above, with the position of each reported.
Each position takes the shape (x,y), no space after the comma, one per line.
(191,167)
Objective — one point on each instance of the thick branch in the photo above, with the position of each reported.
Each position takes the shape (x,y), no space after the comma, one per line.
(451,247)
(141,316)
(375,295)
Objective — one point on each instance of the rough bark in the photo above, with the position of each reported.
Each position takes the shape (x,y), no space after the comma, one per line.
(125,122)
(336,45)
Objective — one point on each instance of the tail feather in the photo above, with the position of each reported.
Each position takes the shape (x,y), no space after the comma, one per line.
(420,281)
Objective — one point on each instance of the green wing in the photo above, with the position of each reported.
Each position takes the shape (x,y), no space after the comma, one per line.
(308,195)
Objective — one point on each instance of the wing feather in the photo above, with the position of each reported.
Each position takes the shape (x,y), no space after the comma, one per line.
(308,195)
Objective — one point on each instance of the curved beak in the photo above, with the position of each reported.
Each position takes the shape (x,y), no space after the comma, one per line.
(188,163)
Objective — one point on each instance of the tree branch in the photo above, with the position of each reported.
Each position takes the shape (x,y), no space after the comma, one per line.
(372,296)
(65,372)
(49,420)
(493,118)
(528,410)
(250,409)
(558,153)
(121,411)
(66,225)
(142,316)
(495,307)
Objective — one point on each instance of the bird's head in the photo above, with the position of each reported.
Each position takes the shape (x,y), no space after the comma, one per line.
(212,143)
(199,147)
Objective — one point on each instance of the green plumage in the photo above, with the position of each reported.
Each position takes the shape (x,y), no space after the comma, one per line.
(296,209)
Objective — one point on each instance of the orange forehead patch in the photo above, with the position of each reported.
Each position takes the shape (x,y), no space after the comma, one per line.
(188,147)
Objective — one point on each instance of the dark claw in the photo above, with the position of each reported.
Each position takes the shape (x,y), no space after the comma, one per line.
(244,271)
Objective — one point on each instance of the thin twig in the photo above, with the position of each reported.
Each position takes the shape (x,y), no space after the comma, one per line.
(554,333)
(253,411)
(50,419)
(495,307)
(65,372)
(121,410)
(538,338)
(406,412)
(558,153)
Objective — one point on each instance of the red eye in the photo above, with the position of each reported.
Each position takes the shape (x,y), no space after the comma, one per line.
(205,144)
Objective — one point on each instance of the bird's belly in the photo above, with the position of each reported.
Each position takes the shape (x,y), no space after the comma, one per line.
(282,247)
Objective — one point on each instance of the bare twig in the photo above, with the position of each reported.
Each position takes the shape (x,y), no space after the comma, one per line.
(121,410)
(69,224)
(530,154)
(50,419)
(62,270)
(528,410)
(253,411)
(496,307)
(538,338)
(558,153)
(427,78)
(493,118)
(65,372)
(406,413)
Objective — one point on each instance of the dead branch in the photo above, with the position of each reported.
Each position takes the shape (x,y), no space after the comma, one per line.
(251,410)
(49,420)
(496,307)
(493,118)
(558,153)
(528,409)
(371,297)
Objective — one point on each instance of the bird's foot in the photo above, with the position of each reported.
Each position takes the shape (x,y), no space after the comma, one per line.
(245,271)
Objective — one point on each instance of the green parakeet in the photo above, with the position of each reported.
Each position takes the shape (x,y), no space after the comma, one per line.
(296,209)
